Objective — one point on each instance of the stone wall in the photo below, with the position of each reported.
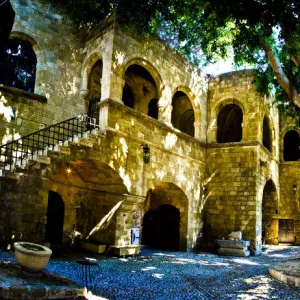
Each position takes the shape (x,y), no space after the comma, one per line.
(59,57)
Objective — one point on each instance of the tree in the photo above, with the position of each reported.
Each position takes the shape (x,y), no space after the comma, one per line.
(264,34)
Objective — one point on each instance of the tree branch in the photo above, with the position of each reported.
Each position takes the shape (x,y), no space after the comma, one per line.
(283,80)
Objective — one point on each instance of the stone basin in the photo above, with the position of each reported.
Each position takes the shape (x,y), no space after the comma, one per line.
(32,257)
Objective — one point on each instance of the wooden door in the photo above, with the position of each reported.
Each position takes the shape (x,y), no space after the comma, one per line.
(286,231)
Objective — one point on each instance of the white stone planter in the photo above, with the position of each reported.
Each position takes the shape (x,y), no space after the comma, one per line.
(32,257)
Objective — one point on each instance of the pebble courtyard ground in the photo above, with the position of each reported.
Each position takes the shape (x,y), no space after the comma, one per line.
(177,275)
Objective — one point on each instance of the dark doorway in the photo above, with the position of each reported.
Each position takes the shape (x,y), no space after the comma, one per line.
(55,218)
(161,228)
(291,150)
(230,119)
(286,231)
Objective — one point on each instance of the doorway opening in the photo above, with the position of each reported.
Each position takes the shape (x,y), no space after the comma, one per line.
(161,228)
(55,218)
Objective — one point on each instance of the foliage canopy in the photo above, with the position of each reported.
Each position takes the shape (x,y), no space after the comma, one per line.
(261,34)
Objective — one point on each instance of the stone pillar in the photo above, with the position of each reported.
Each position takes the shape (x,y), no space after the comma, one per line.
(197,126)
(212,134)
(112,88)
(165,106)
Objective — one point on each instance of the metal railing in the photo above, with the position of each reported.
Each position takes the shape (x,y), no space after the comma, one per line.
(19,152)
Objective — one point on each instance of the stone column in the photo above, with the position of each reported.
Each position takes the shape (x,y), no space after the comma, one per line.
(112,88)
(197,126)
(212,134)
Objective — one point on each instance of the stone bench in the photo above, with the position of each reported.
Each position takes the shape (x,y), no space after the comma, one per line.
(92,247)
(125,250)
(233,247)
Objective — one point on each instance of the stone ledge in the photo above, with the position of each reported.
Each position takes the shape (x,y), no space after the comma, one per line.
(233,252)
(287,272)
(233,244)
(22,93)
(126,250)
(92,247)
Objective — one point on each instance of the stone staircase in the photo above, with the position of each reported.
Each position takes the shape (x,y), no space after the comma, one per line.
(34,152)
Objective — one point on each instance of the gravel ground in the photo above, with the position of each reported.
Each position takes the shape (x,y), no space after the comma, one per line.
(176,275)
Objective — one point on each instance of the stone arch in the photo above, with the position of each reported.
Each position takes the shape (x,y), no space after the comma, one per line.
(291,144)
(149,66)
(37,47)
(268,133)
(212,134)
(229,122)
(183,113)
(87,67)
(269,210)
(192,98)
(166,193)
(93,193)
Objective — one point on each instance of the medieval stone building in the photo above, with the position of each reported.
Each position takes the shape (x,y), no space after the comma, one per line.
(113,131)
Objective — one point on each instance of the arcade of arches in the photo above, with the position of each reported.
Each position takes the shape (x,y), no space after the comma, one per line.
(220,158)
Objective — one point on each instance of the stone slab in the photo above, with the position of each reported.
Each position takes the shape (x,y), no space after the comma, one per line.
(233,252)
(92,247)
(287,272)
(235,235)
(233,244)
(15,284)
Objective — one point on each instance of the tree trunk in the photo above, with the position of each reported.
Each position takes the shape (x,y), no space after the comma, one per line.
(283,80)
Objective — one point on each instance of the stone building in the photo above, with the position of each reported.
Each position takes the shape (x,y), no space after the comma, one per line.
(183,156)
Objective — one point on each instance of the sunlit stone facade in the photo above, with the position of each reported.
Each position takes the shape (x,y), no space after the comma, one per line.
(216,146)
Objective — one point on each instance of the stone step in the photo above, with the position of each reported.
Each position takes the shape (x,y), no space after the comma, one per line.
(233,244)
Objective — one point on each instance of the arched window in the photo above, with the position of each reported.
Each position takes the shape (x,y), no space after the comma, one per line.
(267,134)
(183,116)
(230,119)
(291,143)
(95,79)
(153,108)
(139,89)
(19,64)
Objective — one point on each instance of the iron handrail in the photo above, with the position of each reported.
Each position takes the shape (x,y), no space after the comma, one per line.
(13,154)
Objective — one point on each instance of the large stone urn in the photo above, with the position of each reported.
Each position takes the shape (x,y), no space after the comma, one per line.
(32,257)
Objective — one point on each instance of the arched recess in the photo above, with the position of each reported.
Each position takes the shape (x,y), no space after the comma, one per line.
(93,194)
(94,87)
(18,64)
(291,146)
(267,133)
(269,211)
(229,122)
(87,68)
(55,219)
(166,218)
(139,89)
(183,116)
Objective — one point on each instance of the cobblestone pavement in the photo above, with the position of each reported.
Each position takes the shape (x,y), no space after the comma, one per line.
(177,275)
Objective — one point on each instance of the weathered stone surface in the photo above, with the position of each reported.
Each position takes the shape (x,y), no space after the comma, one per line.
(233,244)
(235,235)
(233,252)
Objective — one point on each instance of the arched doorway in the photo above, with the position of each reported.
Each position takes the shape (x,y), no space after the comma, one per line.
(55,218)
(161,228)
(165,221)
(291,150)
(183,116)
(139,88)
(230,119)
(269,211)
